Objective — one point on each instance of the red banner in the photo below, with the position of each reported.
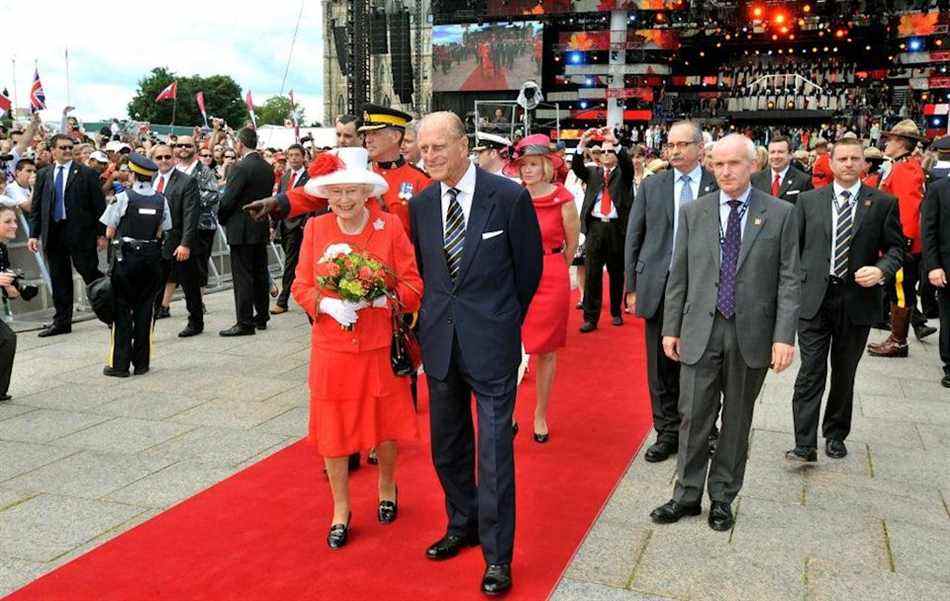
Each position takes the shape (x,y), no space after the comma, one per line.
(644,94)
(640,39)
(914,24)
(942,81)
(601,115)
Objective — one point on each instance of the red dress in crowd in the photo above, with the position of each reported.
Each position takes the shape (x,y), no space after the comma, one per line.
(545,327)
(356,401)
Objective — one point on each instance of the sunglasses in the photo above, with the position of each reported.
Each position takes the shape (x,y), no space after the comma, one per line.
(163,157)
(205,156)
(229,156)
(64,147)
(182,145)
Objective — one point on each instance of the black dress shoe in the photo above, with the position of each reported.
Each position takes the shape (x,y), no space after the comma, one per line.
(617,321)
(945,381)
(671,512)
(261,325)
(115,372)
(835,448)
(923,330)
(449,546)
(54,330)
(579,306)
(338,534)
(388,510)
(802,455)
(140,371)
(163,312)
(588,327)
(497,579)
(720,516)
(237,330)
(5,397)
(189,331)
(661,450)
(514,429)
(354,462)
(542,438)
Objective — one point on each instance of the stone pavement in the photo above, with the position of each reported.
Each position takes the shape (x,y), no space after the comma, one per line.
(872,526)
(84,458)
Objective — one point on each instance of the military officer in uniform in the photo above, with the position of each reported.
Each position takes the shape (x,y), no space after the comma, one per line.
(493,152)
(134,223)
(383,129)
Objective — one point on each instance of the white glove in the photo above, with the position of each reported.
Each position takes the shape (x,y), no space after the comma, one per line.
(339,310)
(380,303)
(356,306)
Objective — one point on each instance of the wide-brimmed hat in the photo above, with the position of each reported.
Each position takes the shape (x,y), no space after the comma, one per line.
(906,129)
(873,153)
(345,166)
(535,145)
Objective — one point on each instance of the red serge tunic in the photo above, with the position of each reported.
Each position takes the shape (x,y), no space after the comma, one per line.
(545,327)
(356,401)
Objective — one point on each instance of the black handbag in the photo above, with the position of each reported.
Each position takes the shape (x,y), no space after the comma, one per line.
(405,354)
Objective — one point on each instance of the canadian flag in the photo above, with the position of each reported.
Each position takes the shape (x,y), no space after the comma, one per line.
(5,103)
(170,92)
(200,98)
(250,107)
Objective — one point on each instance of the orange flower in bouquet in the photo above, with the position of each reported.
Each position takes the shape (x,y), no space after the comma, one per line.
(356,276)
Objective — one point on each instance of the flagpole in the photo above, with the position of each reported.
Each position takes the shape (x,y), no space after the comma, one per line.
(174,109)
(67,77)
(16,99)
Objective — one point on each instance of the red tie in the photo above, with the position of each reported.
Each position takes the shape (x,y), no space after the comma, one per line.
(776,184)
(605,197)
(161,184)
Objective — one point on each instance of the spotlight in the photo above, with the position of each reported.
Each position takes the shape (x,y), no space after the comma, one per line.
(757,12)
(784,30)
(779,18)
(806,9)
(841,32)
(576,58)
(938,42)
(935,121)
(916,44)
(583,104)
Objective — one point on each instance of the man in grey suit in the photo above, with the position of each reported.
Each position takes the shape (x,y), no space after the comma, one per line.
(648,256)
(727,330)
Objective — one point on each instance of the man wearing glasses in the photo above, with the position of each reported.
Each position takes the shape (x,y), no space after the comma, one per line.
(64,222)
(209,194)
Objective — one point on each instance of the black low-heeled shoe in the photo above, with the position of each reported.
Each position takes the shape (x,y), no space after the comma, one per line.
(541,438)
(514,429)
(388,510)
(338,534)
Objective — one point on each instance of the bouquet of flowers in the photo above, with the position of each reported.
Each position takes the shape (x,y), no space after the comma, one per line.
(356,276)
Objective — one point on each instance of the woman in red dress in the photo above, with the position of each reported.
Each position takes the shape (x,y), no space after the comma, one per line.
(356,401)
(545,327)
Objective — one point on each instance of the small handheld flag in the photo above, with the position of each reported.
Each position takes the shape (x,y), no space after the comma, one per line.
(170,92)
(200,98)
(5,103)
(250,107)
(37,95)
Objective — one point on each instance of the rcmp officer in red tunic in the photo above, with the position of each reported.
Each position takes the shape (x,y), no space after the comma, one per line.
(134,223)
(383,130)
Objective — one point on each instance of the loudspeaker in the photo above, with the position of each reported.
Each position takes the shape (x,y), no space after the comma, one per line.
(401,53)
(339,40)
(378,42)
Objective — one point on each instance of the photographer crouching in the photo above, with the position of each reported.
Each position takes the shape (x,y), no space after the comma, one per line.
(12,287)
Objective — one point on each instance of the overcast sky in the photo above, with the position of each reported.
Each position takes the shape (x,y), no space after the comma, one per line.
(113,44)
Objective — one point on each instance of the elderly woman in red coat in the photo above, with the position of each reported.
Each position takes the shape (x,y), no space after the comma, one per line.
(356,401)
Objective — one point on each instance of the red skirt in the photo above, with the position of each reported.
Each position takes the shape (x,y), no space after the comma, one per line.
(357,402)
(545,327)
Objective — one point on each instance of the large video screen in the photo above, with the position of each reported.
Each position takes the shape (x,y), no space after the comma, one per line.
(496,56)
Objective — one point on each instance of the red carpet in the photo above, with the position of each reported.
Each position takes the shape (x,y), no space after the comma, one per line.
(479,80)
(260,535)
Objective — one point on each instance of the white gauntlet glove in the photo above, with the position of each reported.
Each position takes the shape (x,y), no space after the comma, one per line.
(342,311)
(380,303)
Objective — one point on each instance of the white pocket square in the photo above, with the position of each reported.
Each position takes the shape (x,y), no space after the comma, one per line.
(790,192)
(488,235)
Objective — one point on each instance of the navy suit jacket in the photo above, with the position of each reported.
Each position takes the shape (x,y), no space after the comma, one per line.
(500,271)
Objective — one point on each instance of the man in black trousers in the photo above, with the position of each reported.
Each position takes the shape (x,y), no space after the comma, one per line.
(64,221)
(935,233)
(178,263)
(649,254)
(851,241)
(604,223)
(252,178)
(291,230)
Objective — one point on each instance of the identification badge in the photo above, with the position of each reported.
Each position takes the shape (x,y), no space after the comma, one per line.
(147,211)
(406,190)
(758,221)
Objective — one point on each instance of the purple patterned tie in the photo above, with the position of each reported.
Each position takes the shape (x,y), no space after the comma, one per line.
(726,301)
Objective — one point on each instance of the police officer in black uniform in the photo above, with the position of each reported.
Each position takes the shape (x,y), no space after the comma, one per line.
(134,223)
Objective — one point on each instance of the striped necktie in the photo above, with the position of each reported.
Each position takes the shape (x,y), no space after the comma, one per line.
(843,235)
(454,239)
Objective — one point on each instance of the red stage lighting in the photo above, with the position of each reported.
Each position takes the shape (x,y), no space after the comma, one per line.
(779,18)
(757,12)
(840,33)
(806,9)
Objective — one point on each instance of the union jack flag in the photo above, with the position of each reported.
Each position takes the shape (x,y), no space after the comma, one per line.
(37,95)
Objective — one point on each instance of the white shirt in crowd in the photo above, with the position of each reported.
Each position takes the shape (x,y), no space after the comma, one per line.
(466,188)
(838,202)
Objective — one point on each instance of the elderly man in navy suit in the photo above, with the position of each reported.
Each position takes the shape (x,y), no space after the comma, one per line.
(478,246)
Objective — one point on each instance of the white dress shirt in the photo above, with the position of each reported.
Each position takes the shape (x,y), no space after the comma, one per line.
(17,194)
(695,177)
(187,170)
(835,204)
(781,176)
(66,167)
(466,188)
(294,176)
(725,209)
(596,211)
(158,178)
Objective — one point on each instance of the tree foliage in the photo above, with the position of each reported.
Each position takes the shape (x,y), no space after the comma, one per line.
(222,94)
(276,110)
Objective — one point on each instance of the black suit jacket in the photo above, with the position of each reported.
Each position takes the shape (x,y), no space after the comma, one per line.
(620,186)
(935,227)
(289,225)
(252,178)
(184,204)
(499,274)
(876,240)
(84,205)
(795,183)
(649,243)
